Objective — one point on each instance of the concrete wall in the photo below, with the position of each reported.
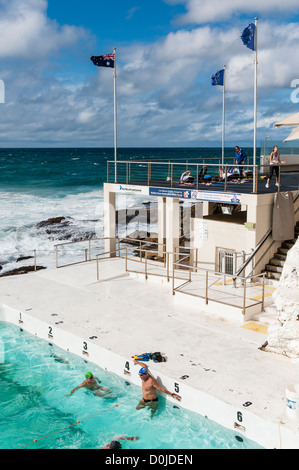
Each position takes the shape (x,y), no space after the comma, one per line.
(207,234)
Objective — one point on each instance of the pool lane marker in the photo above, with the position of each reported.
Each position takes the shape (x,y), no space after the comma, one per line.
(74,424)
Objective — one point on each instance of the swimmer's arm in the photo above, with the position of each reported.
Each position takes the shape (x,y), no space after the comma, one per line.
(141,364)
(159,387)
(134,438)
(76,388)
(97,379)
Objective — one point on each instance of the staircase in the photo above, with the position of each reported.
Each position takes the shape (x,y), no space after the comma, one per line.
(274,268)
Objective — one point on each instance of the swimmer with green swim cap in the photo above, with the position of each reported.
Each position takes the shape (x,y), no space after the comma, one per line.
(91,383)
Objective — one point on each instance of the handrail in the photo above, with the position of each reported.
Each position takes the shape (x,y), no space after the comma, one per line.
(260,244)
(242,278)
(150,170)
(253,253)
(139,260)
(108,253)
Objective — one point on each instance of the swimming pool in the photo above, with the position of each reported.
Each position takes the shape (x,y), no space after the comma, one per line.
(36,376)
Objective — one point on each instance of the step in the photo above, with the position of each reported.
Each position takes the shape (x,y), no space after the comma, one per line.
(287,245)
(272,268)
(280,256)
(277,262)
(267,318)
(272,275)
(283,251)
(271,310)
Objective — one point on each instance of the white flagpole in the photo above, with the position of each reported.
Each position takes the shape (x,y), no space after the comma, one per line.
(115,120)
(223,117)
(255,96)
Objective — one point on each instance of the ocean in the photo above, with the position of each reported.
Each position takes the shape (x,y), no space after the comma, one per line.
(41,183)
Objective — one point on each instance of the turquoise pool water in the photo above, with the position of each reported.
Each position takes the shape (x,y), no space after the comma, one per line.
(35,378)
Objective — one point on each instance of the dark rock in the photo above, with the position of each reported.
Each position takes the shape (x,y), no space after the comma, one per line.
(22,270)
(54,220)
(135,237)
(22,258)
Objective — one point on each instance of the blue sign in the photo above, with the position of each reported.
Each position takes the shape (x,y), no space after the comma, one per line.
(170,192)
(195,195)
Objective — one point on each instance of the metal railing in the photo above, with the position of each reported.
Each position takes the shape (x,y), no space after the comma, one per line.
(167,173)
(164,268)
(182,270)
(87,253)
(118,250)
(147,172)
(207,275)
(260,245)
(188,269)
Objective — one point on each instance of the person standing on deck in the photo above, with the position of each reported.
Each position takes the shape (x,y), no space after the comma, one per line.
(274,161)
(241,159)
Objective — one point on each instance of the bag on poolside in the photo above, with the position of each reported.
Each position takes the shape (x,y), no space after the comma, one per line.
(157,357)
(142,357)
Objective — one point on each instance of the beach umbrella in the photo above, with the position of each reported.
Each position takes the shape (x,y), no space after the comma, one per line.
(292,120)
(293,135)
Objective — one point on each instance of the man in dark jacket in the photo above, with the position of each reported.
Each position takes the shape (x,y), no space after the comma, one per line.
(241,159)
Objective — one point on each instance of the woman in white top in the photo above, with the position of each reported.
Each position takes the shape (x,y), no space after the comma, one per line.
(274,159)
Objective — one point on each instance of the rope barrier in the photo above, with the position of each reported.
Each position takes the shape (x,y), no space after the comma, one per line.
(74,424)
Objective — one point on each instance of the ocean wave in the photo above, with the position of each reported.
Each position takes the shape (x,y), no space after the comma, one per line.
(21,233)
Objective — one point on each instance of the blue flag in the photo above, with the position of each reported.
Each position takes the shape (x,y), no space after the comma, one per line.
(218,78)
(248,36)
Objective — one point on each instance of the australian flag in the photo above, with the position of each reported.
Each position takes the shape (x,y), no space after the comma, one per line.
(104,60)
(218,78)
(248,36)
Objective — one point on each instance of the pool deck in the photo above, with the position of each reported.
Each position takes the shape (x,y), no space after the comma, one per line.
(129,316)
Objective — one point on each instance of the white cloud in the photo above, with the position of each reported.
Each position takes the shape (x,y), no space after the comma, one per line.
(164,90)
(131,12)
(85,116)
(27,32)
(204,11)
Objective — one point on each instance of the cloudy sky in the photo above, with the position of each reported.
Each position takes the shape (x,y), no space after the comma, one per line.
(167,51)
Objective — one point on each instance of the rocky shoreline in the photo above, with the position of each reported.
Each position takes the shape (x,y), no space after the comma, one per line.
(61,228)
